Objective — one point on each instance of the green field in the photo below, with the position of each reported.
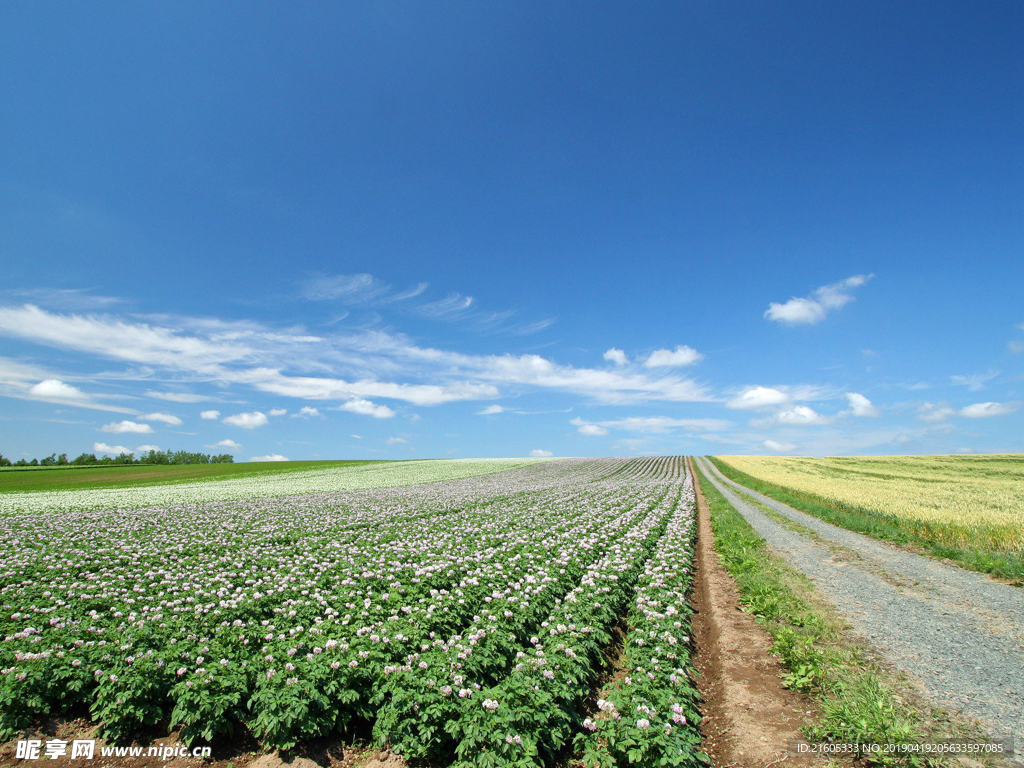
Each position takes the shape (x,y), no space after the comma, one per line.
(72,478)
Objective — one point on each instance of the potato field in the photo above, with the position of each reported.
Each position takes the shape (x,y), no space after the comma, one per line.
(519,617)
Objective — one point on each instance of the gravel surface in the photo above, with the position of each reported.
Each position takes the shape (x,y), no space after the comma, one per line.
(959,633)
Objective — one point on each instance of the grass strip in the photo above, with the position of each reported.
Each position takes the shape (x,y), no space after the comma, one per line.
(1004,565)
(859,702)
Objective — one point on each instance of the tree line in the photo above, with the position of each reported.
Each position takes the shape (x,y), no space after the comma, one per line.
(149,457)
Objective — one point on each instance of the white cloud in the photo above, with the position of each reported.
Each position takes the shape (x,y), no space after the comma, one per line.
(114,450)
(860,406)
(278,411)
(307,411)
(814,309)
(177,397)
(680,356)
(935,412)
(395,440)
(56,389)
(228,443)
(357,437)
(127,426)
(247,353)
(975,382)
(166,418)
(616,356)
(247,420)
(982,410)
(792,416)
(772,445)
(593,430)
(209,415)
(353,289)
(366,408)
(755,398)
(653,424)
(539,453)
(490,410)
(270,457)
(147,448)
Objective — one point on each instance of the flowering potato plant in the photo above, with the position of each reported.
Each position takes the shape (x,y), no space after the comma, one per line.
(466,619)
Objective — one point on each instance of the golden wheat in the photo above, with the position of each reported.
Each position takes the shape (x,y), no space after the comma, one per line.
(965,501)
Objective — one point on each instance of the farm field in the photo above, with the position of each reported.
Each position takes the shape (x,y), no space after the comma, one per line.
(468,617)
(968,508)
(20,479)
(270,481)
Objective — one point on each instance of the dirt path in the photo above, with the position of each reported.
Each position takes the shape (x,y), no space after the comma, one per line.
(958,633)
(749,717)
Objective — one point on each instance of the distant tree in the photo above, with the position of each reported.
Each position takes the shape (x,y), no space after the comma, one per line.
(85,458)
(34,463)
(62,460)
(4,462)
(49,461)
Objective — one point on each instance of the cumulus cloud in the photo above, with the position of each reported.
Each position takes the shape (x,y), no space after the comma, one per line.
(126,426)
(247,420)
(209,415)
(540,453)
(278,411)
(815,308)
(147,448)
(984,410)
(593,430)
(756,398)
(395,440)
(490,410)
(860,406)
(166,418)
(228,443)
(772,445)
(307,411)
(114,450)
(616,356)
(673,358)
(367,408)
(57,390)
(270,457)
(792,416)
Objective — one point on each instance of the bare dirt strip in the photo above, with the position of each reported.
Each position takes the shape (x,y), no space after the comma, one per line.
(958,633)
(749,717)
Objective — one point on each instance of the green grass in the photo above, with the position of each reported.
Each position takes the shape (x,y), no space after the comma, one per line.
(858,701)
(1004,565)
(124,476)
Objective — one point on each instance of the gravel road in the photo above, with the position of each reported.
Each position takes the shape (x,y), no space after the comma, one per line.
(958,633)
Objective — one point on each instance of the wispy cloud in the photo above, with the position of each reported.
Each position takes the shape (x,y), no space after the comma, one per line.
(650,424)
(815,308)
(777,447)
(540,453)
(270,457)
(974,382)
(793,416)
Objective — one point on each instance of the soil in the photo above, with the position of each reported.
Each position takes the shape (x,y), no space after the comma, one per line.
(749,717)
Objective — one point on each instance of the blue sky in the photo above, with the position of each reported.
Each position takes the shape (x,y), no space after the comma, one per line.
(489,229)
